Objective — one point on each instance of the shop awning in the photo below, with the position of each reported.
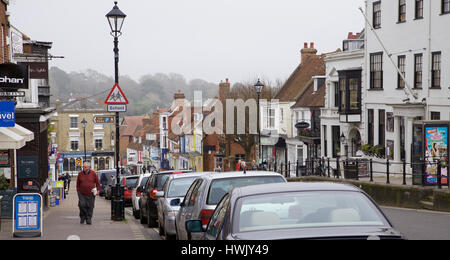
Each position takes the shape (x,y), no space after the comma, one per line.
(22,131)
(14,137)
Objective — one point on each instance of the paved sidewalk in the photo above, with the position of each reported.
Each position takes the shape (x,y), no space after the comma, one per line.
(63,221)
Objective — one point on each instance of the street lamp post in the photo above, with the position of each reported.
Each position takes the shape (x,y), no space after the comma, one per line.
(344,142)
(259,86)
(84,122)
(115,19)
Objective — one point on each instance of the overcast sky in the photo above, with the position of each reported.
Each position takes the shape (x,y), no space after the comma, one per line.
(206,39)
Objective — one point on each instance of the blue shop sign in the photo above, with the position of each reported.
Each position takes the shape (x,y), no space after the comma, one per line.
(7,114)
(27,215)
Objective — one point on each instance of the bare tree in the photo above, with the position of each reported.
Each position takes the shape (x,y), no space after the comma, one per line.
(247,91)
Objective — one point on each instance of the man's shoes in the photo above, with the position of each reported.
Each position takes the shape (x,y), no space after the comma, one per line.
(82,221)
(89,222)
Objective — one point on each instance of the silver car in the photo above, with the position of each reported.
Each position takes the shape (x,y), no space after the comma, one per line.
(136,195)
(169,200)
(206,192)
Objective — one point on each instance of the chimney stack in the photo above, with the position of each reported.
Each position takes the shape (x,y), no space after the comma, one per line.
(307,52)
(179,99)
(224,90)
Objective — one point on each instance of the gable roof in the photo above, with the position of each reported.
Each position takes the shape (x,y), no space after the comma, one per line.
(131,124)
(314,65)
(309,98)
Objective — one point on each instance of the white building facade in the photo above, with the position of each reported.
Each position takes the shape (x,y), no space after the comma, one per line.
(409,37)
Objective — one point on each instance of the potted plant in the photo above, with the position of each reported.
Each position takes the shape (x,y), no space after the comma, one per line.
(4,184)
(366,149)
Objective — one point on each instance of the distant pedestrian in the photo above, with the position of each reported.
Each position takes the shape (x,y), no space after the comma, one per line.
(88,186)
(68,179)
(238,165)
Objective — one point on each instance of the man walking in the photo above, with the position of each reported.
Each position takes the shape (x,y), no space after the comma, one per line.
(88,186)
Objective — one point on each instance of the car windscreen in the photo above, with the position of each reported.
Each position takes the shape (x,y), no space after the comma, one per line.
(144,181)
(179,187)
(160,180)
(305,210)
(220,187)
(131,182)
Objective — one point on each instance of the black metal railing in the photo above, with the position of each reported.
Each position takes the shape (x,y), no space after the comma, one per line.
(419,173)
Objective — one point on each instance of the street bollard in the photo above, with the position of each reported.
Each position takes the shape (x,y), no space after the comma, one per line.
(371,170)
(328,161)
(404,172)
(387,172)
(439,174)
(338,167)
(357,170)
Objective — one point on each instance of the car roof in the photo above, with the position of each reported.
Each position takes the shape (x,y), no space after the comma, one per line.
(172,171)
(107,171)
(187,175)
(293,187)
(226,175)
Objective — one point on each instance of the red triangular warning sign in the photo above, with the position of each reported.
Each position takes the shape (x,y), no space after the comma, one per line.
(116,97)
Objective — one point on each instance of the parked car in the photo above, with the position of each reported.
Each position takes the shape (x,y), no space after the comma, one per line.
(206,192)
(107,179)
(169,200)
(318,211)
(147,203)
(129,182)
(136,195)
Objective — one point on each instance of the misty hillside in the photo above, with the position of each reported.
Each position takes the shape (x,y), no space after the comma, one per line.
(147,95)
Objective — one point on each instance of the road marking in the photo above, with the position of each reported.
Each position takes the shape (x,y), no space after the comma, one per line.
(137,233)
(73,237)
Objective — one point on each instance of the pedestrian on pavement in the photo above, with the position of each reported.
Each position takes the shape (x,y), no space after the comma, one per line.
(69,179)
(88,186)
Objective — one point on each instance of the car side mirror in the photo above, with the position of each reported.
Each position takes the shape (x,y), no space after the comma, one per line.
(194,226)
(159,194)
(140,189)
(175,202)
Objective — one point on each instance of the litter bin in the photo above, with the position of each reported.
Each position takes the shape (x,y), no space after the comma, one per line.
(350,170)
(117,203)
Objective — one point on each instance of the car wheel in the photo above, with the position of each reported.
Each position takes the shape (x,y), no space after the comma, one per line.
(142,218)
(136,214)
(167,236)
(161,231)
(151,222)
(176,232)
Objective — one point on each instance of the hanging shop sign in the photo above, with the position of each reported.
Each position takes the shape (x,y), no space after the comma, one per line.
(302,125)
(7,114)
(13,76)
(38,70)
